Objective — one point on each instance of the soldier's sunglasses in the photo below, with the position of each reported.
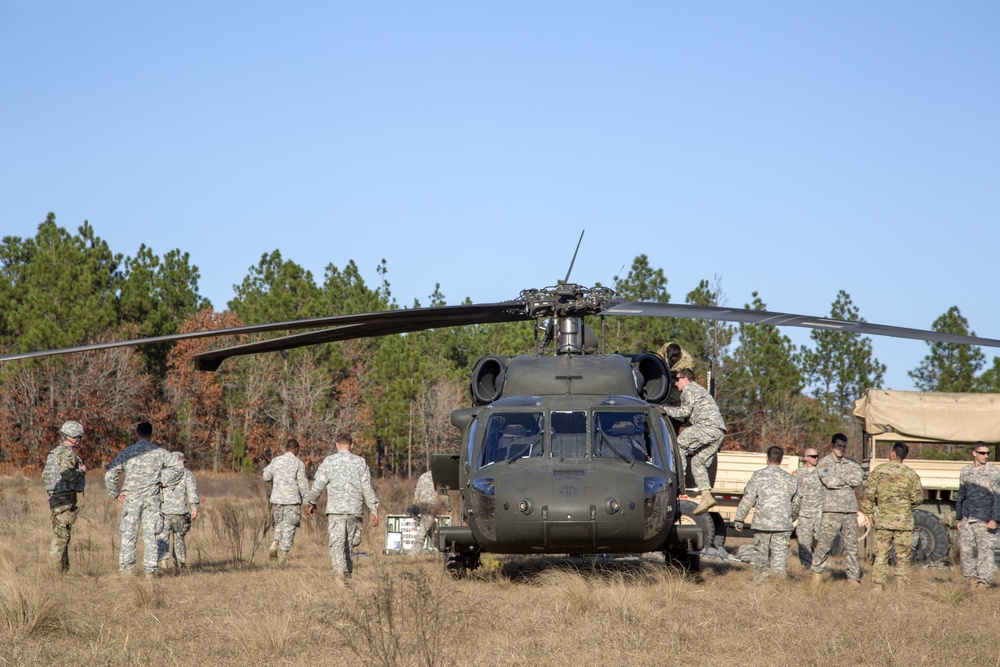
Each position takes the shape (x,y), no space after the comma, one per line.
(811,456)
(981,453)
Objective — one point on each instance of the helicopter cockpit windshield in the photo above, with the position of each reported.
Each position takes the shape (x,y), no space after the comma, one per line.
(513,435)
(626,436)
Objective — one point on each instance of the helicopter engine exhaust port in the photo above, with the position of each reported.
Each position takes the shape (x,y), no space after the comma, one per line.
(487,379)
(652,377)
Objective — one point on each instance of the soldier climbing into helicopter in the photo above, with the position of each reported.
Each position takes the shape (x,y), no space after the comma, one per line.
(703,436)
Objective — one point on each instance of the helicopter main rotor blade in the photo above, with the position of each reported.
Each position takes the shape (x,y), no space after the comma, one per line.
(375,324)
(467,315)
(747,316)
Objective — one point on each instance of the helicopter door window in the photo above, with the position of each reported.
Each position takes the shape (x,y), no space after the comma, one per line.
(569,435)
(471,443)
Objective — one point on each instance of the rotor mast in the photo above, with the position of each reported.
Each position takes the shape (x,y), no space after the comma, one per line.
(565,306)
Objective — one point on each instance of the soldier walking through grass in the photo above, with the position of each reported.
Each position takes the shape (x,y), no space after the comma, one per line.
(977,511)
(289,488)
(840,476)
(348,484)
(147,469)
(703,438)
(177,517)
(64,476)
(892,492)
(773,493)
(427,503)
(811,506)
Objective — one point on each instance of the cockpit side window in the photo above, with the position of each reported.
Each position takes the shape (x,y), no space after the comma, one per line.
(471,444)
(668,443)
(512,435)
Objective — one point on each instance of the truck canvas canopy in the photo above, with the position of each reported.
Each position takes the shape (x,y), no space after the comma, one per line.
(919,416)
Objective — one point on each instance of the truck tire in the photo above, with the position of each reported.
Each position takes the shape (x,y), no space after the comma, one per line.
(703,521)
(930,538)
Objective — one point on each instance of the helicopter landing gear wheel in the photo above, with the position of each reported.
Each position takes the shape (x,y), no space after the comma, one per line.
(459,565)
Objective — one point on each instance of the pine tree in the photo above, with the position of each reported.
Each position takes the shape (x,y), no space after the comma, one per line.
(948,366)
(841,366)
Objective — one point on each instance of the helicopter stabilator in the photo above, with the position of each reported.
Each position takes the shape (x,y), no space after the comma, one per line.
(562,453)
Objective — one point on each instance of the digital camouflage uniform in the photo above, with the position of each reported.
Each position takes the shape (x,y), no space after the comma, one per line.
(978,502)
(289,488)
(810,512)
(63,479)
(773,494)
(143,464)
(177,515)
(839,478)
(893,491)
(702,439)
(428,502)
(348,484)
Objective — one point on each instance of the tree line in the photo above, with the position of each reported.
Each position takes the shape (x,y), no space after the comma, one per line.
(395,393)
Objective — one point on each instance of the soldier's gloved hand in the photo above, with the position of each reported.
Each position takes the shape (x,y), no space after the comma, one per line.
(738,525)
(310,509)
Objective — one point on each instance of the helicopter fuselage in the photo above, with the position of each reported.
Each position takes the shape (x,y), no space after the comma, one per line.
(581,465)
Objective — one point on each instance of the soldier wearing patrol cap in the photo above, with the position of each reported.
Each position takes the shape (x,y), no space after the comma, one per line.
(64,476)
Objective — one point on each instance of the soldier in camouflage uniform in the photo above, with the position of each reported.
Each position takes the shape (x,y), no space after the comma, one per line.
(64,476)
(703,438)
(348,482)
(177,517)
(147,469)
(811,508)
(892,492)
(289,487)
(840,476)
(978,511)
(676,357)
(774,493)
(428,502)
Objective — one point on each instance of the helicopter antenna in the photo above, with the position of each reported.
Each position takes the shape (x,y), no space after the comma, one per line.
(573,261)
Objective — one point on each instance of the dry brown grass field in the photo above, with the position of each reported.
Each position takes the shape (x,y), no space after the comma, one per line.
(231,607)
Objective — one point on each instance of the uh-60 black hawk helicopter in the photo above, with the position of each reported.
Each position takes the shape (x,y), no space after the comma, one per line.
(564,453)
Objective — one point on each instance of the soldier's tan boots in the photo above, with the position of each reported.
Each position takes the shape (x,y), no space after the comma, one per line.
(272,553)
(707,501)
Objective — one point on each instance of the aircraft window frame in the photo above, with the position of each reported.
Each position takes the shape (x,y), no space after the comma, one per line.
(636,446)
(569,446)
(470,445)
(502,442)
(668,444)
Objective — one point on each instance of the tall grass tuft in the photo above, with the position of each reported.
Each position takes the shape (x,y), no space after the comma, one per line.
(27,611)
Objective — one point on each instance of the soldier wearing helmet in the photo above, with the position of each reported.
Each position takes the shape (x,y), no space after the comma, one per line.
(64,476)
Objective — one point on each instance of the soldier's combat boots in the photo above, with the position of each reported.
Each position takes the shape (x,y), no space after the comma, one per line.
(272,553)
(707,502)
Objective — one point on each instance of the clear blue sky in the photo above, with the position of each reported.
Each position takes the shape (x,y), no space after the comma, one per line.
(792,148)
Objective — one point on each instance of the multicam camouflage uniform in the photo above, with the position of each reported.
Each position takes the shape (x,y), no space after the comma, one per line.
(348,484)
(893,491)
(774,493)
(702,439)
(289,488)
(839,478)
(978,503)
(810,512)
(428,502)
(684,362)
(63,479)
(143,464)
(177,516)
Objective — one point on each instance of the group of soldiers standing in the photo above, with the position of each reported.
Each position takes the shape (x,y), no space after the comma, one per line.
(822,496)
(160,496)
